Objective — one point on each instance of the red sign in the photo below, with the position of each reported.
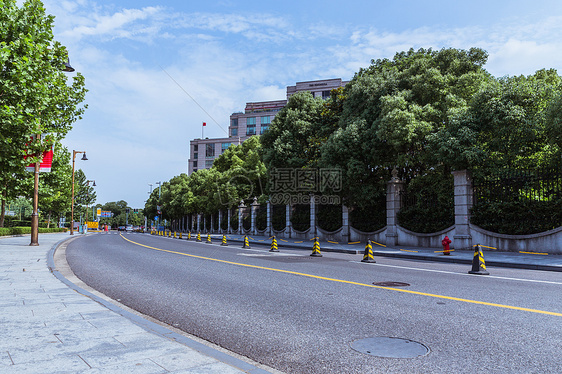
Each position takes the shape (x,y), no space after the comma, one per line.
(46,161)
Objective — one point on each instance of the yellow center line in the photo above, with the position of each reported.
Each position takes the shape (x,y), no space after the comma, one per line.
(350,282)
(534,253)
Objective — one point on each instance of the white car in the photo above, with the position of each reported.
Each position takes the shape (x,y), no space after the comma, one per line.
(129,228)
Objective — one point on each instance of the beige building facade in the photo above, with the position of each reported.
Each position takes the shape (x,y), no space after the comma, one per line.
(255,120)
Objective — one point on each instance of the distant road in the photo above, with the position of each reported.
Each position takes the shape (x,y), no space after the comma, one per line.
(302,314)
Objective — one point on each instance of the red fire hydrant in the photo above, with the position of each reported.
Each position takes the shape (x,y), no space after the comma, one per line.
(445,242)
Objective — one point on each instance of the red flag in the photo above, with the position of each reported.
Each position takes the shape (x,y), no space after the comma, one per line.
(204,123)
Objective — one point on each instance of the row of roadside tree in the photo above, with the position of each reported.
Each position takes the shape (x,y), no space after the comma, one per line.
(424,113)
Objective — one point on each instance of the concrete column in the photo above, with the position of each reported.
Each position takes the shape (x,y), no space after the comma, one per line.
(269,229)
(240,217)
(212,224)
(345,224)
(288,226)
(228,229)
(462,239)
(254,212)
(198,221)
(220,221)
(393,204)
(313,230)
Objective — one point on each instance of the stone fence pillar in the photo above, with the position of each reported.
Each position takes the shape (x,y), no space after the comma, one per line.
(462,239)
(313,230)
(228,229)
(393,204)
(345,224)
(288,227)
(241,217)
(253,221)
(269,229)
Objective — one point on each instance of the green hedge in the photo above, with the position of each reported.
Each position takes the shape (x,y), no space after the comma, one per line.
(27,230)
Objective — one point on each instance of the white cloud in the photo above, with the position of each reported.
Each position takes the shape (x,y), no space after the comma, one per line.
(139,122)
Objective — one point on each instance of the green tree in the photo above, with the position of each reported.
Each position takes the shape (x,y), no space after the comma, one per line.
(511,122)
(390,111)
(241,173)
(36,98)
(292,138)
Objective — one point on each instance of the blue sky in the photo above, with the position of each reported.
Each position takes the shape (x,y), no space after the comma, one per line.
(139,122)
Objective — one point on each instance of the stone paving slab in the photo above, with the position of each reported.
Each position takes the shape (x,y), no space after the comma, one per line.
(50,325)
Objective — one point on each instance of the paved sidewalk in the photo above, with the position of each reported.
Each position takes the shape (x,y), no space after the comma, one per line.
(534,261)
(49,325)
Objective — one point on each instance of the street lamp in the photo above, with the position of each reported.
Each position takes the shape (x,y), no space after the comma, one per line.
(159,211)
(93,185)
(84,158)
(35,215)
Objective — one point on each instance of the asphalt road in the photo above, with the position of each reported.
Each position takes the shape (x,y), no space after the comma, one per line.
(301,314)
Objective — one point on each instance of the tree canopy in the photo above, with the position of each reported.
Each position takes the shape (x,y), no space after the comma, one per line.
(35,97)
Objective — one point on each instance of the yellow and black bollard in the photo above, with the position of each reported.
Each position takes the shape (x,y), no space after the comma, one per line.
(198,237)
(478,263)
(316,249)
(208,238)
(175,236)
(224,243)
(246,243)
(274,247)
(368,256)
(180,235)
(189,235)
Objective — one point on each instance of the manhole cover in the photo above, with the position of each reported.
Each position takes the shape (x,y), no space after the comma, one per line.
(391,284)
(383,346)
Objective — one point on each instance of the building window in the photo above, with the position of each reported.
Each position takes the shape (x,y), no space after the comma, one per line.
(234,122)
(195,156)
(264,128)
(251,130)
(195,148)
(210,152)
(224,146)
(250,121)
(233,132)
(208,164)
(325,95)
(194,164)
(194,170)
(265,120)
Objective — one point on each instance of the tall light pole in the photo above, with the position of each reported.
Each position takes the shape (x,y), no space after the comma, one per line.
(35,215)
(158,206)
(93,185)
(84,158)
(145,217)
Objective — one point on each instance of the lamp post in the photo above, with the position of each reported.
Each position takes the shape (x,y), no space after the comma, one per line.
(145,217)
(158,206)
(84,158)
(35,215)
(93,185)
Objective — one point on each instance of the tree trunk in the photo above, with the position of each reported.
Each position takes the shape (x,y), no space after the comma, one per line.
(49,220)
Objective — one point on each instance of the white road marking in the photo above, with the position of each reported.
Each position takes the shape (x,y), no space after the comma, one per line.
(451,272)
